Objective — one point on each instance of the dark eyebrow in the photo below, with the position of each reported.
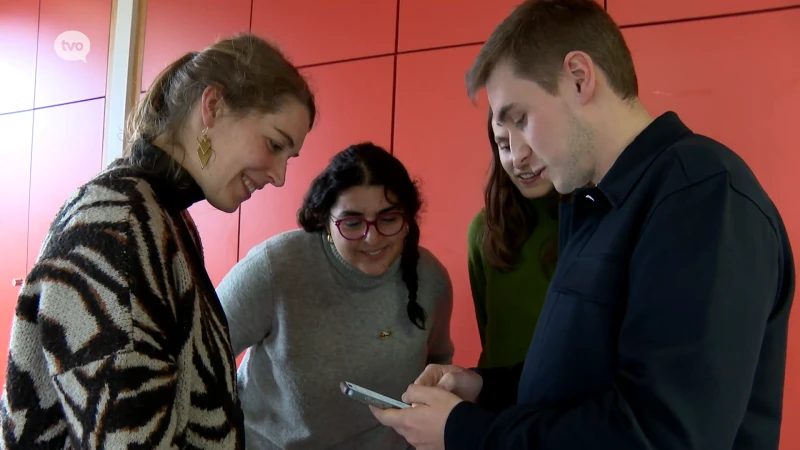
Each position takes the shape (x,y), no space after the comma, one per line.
(349,213)
(501,115)
(286,136)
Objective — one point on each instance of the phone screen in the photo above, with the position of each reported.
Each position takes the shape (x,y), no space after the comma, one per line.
(369,397)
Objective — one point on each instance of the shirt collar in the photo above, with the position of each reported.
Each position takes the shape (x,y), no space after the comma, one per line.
(631,164)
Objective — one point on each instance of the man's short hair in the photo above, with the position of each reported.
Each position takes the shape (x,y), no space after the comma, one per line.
(537,36)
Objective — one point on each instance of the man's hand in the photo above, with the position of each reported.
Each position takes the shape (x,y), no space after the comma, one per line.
(423,424)
(464,383)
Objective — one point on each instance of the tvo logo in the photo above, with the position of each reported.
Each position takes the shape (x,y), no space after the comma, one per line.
(72,45)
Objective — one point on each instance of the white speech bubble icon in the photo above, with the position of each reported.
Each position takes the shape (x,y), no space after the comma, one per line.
(72,45)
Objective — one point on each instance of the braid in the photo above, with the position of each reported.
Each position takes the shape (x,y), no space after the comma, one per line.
(408,269)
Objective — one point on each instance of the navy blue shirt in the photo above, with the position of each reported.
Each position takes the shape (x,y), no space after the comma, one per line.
(665,325)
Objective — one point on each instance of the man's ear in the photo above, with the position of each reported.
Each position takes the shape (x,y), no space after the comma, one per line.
(580,71)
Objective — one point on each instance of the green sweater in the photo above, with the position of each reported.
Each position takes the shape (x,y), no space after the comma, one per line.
(507,304)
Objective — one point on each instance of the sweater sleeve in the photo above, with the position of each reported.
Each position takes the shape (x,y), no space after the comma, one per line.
(246,295)
(440,344)
(94,343)
(477,277)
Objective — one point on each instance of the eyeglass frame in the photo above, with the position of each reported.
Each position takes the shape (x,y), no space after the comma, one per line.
(370,224)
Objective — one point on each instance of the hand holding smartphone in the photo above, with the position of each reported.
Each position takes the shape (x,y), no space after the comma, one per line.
(369,397)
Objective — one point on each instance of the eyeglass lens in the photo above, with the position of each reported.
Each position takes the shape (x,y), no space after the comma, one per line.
(356,227)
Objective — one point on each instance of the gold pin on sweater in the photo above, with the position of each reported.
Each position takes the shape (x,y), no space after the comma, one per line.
(384,335)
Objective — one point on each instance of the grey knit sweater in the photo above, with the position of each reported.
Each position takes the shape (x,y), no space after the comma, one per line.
(309,321)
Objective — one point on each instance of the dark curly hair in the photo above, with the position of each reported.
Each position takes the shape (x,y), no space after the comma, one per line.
(367,164)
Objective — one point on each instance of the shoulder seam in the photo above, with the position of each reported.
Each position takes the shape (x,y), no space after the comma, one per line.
(704,180)
(731,185)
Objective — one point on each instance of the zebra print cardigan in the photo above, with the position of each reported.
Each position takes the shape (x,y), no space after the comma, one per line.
(119,340)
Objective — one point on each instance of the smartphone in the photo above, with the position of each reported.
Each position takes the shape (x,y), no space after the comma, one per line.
(368,397)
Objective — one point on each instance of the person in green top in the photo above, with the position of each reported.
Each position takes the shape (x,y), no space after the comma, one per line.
(513,248)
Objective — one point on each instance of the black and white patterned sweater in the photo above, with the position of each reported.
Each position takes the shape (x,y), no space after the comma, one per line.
(119,340)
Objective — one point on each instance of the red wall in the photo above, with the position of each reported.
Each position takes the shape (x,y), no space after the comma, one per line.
(51,125)
(392,74)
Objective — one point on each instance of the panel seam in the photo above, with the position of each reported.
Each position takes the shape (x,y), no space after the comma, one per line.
(251,15)
(30,151)
(711,17)
(239,211)
(394,76)
(470,44)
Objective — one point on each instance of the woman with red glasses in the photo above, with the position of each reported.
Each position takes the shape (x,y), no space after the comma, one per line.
(350,297)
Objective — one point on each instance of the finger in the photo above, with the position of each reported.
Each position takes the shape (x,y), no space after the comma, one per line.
(424,395)
(384,416)
(429,376)
(448,382)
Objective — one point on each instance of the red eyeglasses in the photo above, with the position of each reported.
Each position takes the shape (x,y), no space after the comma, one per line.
(355,228)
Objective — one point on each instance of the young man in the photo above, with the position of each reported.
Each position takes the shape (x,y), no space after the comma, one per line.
(665,325)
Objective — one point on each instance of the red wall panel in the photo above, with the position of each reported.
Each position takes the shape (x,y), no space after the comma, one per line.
(315,31)
(696,69)
(219,232)
(83,74)
(66,153)
(354,100)
(627,12)
(174,27)
(15,154)
(19,28)
(428,24)
(441,138)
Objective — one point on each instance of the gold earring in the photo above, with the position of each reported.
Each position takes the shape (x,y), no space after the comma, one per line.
(204,148)
(330,241)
